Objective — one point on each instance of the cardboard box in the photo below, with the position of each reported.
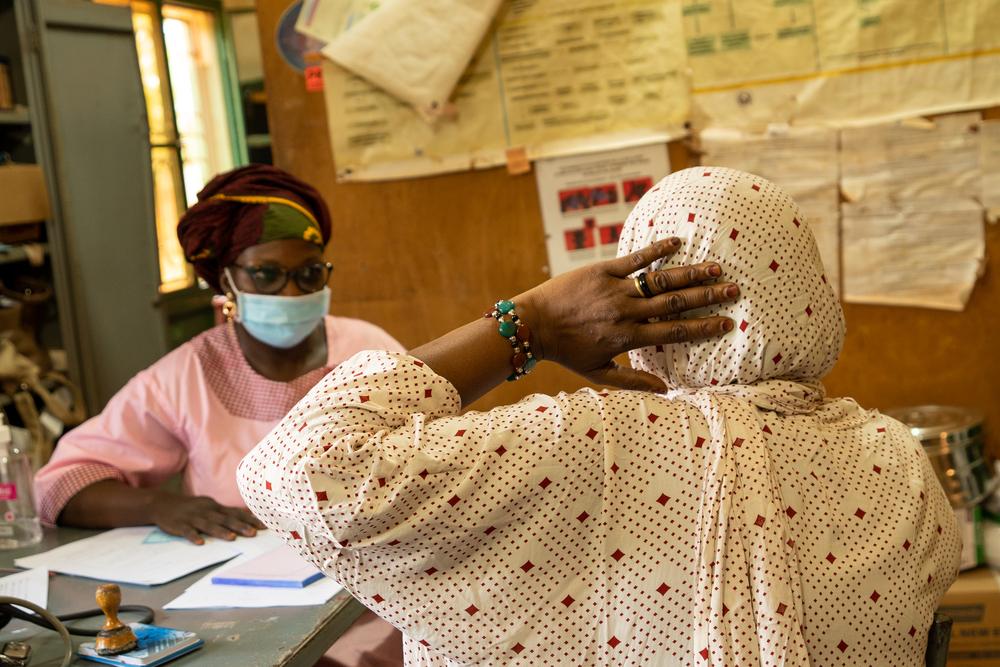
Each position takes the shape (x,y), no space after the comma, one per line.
(973,602)
(23,197)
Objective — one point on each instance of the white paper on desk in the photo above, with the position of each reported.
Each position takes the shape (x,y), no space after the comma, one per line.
(124,555)
(31,585)
(416,50)
(206,595)
(803,161)
(203,594)
(926,254)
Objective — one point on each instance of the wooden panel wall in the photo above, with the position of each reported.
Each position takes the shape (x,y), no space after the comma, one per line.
(422,256)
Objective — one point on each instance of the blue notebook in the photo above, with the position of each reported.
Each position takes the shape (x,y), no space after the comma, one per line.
(278,568)
(157,645)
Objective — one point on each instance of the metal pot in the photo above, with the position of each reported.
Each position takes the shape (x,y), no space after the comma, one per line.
(954,442)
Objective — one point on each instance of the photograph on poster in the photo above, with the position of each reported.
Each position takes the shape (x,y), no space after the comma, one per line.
(635,188)
(604,195)
(581,238)
(577,199)
(611,233)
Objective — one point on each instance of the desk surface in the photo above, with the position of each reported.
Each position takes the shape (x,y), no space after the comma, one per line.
(288,636)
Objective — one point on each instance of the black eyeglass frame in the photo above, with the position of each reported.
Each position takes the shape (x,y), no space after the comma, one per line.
(285,275)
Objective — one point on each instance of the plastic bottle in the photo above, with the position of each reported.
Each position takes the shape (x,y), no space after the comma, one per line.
(19,525)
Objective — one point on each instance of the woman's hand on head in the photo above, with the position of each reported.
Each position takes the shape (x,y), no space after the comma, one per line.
(585,318)
(193,517)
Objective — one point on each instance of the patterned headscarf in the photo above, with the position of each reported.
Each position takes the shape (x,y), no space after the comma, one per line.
(245,207)
(788,334)
(789,323)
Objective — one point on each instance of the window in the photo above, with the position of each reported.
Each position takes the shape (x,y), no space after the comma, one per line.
(196,80)
(191,123)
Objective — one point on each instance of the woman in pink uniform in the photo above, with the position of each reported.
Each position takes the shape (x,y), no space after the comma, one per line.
(257,235)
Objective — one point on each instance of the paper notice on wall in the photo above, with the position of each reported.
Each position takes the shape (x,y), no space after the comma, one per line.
(415,50)
(585,200)
(989,165)
(756,62)
(916,159)
(804,162)
(913,225)
(926,254)
(556,77)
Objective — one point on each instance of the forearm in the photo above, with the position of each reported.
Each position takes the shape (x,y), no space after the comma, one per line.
(110,504)
(584,319)
(475,358)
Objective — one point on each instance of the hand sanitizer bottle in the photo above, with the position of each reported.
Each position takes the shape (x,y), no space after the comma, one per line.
(19,525)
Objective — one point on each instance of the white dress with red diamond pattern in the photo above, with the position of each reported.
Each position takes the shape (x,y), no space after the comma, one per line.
(742,519)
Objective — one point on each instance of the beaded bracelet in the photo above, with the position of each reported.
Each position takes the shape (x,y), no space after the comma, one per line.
(517,334)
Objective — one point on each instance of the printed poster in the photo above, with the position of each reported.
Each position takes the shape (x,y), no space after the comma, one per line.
(585,200)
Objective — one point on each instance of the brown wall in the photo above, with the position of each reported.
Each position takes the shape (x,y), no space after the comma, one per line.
(422,256)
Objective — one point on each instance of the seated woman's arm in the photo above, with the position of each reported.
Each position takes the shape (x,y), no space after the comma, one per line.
(105,473)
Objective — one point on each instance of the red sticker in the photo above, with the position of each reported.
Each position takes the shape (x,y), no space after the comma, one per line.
(314,78)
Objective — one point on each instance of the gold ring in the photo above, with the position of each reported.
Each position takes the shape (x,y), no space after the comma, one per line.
(638,287)
(642,286)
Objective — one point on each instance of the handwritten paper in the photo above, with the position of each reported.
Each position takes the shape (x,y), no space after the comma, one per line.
(989,164)
(925,255)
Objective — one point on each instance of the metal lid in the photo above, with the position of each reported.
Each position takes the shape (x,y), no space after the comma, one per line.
(934,421)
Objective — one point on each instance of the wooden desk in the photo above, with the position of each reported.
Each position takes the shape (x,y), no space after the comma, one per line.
(288,636)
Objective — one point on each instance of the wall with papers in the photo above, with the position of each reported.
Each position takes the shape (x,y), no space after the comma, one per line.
(556,77)
(422,256)
(898,356)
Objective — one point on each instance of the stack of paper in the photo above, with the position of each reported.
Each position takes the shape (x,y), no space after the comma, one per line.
(266,557)
(280,567)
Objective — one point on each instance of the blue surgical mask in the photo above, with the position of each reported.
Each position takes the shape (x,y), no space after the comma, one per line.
(280,321)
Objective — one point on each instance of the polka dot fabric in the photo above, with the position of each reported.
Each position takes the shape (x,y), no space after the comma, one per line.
(789,323)
(755,523)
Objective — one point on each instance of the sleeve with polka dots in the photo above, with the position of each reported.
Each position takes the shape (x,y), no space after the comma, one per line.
(377,454)
(460,529)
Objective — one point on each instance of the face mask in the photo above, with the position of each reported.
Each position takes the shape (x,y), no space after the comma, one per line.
(280,321)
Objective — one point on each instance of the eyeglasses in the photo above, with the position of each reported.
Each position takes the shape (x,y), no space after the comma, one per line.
(271,279)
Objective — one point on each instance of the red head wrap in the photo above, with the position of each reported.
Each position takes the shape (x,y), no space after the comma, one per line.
(215,231)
